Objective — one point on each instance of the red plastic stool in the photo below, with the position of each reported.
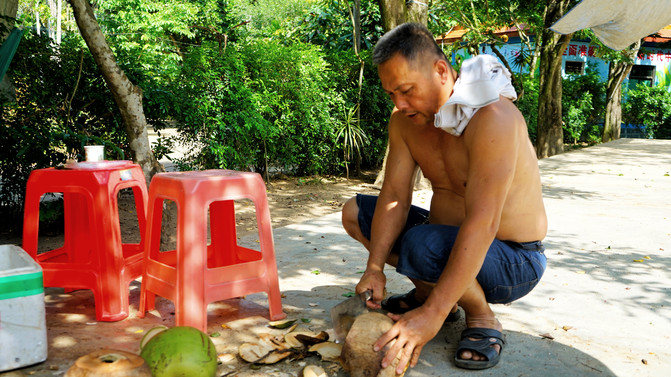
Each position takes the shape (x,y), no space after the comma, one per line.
(196,273)
(92,256)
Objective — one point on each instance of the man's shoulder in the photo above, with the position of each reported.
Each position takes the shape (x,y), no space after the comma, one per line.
(500,123)
(500,115)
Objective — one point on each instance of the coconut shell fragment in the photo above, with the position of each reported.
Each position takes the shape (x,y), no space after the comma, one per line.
(328,351)
(358,357)
(310,339)
(314,371)
(109,363)
(274,356)
(291,340)
(303,339)
(282,324)
(253,352)
(266,351)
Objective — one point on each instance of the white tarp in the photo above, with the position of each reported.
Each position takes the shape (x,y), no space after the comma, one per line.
(617,23)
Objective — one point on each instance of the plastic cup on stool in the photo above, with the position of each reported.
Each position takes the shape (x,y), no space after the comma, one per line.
(94,153)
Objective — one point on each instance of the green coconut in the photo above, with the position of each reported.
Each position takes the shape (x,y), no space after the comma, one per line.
(181,351)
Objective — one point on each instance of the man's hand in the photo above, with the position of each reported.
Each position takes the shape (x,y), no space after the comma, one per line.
(374,281)
(411,331)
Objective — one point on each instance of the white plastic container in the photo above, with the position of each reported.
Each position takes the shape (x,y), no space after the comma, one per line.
(23,328)
(94,153)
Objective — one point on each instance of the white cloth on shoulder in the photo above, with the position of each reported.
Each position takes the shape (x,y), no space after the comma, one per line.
(481,80)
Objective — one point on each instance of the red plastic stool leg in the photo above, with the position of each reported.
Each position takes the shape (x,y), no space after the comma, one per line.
(223,234)
(268,248)
(190,303)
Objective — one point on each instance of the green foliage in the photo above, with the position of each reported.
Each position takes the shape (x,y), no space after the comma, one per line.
(59,109)
(328,24)
(575,117)
(583,104)
(268,18)
(375,104)
(214,110)
(263,103)
(251,85)
(299,80)
(528,105)
(352,135)
(649,106)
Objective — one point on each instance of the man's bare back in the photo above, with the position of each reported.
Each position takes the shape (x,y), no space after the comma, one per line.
(443,159)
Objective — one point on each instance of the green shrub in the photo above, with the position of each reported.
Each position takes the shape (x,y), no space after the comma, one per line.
(375,103)
(576,116)
(215,110)
(649,106)
(300,103)
(59,109)
(528,105)
(583,104)
(257,105)
(328,24)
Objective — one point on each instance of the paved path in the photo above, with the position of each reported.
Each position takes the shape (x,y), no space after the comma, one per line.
(605,298)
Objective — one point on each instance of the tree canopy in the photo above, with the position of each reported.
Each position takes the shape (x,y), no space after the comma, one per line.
(263,85)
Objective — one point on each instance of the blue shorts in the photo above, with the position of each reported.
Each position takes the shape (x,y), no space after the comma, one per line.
(510,270)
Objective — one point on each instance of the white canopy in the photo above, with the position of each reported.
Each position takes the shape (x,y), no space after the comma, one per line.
(617,23)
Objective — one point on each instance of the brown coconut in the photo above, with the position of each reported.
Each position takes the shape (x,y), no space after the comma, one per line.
(109,363)
(358,357)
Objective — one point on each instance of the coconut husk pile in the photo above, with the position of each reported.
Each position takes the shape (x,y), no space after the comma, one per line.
(356,356)
(293,344)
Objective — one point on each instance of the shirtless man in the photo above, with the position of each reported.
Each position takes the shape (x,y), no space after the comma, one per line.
(480,241)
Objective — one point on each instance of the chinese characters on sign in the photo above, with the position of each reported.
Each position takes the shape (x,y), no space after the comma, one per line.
(659,56)
(575,49)
(579,50)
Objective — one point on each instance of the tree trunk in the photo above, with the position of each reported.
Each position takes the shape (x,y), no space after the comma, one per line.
(549,133)
(59,11)
(613,118)
(417,11)
(616,73)
(380,175)
(394,13)
(356,21)
(534,59)
(8,9)
(127,96)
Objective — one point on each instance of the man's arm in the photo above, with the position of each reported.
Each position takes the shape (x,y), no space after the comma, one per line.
(492,143)
(392,207)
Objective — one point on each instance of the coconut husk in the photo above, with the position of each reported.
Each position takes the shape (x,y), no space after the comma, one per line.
(358,357)
(109,363)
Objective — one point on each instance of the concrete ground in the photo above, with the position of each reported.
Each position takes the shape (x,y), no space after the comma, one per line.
(605,298)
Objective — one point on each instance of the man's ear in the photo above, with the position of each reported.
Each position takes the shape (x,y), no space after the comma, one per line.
(442,69)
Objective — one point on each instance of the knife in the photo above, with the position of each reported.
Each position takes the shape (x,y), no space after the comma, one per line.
(344,314)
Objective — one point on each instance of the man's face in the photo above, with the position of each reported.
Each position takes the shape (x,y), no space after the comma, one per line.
(415,88)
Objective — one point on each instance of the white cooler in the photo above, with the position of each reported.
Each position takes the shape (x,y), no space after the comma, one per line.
(23,328)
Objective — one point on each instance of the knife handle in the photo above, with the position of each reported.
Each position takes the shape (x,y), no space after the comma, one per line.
(366,296)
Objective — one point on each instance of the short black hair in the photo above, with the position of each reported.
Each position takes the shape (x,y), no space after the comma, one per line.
(411,40)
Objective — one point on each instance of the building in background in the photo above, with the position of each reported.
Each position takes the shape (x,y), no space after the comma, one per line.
(652,66)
